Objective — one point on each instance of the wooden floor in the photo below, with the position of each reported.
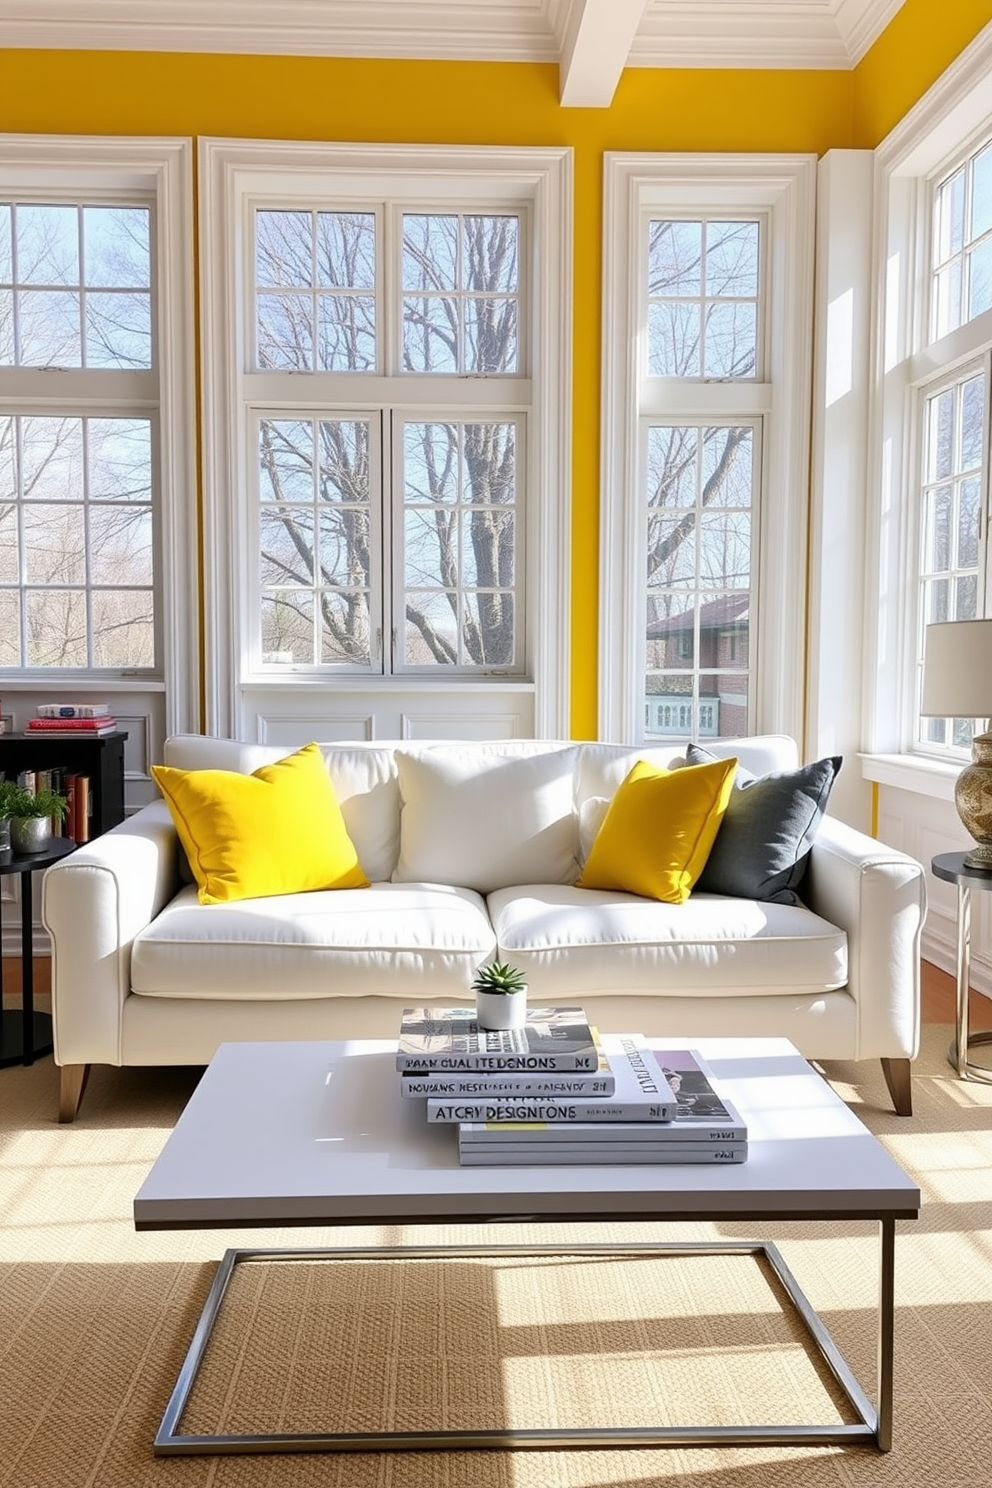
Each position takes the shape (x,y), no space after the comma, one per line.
(937,995)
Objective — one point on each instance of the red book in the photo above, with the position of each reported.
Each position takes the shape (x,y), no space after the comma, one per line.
(71,725)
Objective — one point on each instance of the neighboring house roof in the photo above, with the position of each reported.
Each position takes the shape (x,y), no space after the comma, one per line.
(726,609)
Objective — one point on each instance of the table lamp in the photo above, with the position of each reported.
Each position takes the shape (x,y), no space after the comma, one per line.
(957,683)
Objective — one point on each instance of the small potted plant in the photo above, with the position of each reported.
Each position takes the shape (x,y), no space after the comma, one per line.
(31,816)
(500,996)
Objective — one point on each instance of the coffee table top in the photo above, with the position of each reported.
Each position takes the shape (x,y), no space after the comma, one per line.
(318,1133)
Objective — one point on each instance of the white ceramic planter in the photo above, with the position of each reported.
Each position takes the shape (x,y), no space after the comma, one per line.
(498,1010)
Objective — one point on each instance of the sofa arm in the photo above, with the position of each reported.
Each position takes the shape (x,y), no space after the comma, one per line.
(876,894)
(94,902)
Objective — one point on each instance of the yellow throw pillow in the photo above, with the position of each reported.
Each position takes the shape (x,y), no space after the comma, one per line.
(658,830)
(277,831)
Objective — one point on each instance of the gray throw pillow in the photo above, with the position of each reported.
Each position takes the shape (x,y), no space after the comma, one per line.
(762,848)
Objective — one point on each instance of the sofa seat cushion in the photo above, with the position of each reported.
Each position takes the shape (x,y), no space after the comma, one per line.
(573,941)
(385,940)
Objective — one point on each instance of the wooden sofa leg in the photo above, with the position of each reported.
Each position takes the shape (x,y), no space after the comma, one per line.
(898,1077)
(72,1083)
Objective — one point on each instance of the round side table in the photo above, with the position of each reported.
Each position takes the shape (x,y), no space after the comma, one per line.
(35,1029)
(951,868)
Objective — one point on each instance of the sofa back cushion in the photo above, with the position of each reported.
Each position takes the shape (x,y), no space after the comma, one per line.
(486,816)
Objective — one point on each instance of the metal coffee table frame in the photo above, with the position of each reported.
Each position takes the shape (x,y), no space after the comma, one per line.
(873,1426)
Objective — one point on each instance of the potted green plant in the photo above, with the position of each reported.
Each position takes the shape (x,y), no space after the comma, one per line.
(500,996)
(8,790)
(31,816)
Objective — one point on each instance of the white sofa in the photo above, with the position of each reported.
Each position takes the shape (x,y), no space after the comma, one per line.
(473,849)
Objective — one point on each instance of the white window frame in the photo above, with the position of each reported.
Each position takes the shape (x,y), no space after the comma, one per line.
(782,189)
(943,127)
(160,169)
(232,174)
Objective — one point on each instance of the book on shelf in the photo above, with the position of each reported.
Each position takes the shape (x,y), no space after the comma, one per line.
(641,1093)
(72,727)
(619,1155)
(73,710)
(454,1085)
(553,1038)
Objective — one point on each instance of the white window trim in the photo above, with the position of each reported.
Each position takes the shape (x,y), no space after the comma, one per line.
(229,168)
(940,126)
(785,187)
(163,167)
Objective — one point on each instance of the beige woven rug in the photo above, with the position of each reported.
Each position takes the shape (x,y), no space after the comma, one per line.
(95,1320)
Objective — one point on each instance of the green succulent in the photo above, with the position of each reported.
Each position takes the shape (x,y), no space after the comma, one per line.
(498,976)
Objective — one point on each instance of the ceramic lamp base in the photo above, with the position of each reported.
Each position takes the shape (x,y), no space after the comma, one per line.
(973,799)
(501,1010)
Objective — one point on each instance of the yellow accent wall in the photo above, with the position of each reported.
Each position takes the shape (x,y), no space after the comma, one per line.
(361,99)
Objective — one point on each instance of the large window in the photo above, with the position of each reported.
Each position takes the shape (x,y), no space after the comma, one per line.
(952,438)
(696,449)
(96,491)
(390,397)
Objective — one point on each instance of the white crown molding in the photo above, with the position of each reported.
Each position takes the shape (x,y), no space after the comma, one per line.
(482,30)
(831,34)
(824,34)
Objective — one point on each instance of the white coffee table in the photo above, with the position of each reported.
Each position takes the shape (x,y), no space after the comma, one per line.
(318,1134)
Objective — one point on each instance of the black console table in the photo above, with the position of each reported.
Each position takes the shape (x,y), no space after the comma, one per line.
(101,758)
(31,1030)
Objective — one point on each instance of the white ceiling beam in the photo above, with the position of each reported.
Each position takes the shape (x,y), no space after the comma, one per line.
(596,43)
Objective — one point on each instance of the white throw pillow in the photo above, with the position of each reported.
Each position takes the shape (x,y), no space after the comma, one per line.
(483,818)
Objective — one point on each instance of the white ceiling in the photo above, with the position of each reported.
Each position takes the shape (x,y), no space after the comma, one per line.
(591,40)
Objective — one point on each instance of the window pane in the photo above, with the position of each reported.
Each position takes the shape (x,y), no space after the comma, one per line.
(10,629)
(672,466)
(966,597)
(938,534)
(949,234)
(286,542)
(49,328)
(346,250)
(972,422)
(969,504)
(344,547)
(56,628)
(675,251)
(54,543)
(488,470)
(430,251)
(6,328)
(731,340)
(430,334)
(724,549)
(52,458)
(344,460)
(116,247)
(120,547)
(286,460)
(671,632)
(283,249)
(672,549)
(940,436)
(491,335)
(732,258)
(123,630)
(287,628)
(728,466)
(47,244)
(489,621)
(980,277)
(119,459)
(490,253)
(673,340)
(285,332)
(981,194)
(345,629)
(346,333)
(947,299)
(118,330)
(724,699)
(10,544)
(431,630)
(6,261)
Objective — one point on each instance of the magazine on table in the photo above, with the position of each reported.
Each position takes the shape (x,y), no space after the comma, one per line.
(453,1085)
(553,1038)
(641,1093)
(569,1155)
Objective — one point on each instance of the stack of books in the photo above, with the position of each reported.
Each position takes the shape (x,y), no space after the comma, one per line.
(555,1092)
(77,719)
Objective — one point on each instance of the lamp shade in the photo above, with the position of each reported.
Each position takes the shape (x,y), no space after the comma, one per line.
(957,670)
